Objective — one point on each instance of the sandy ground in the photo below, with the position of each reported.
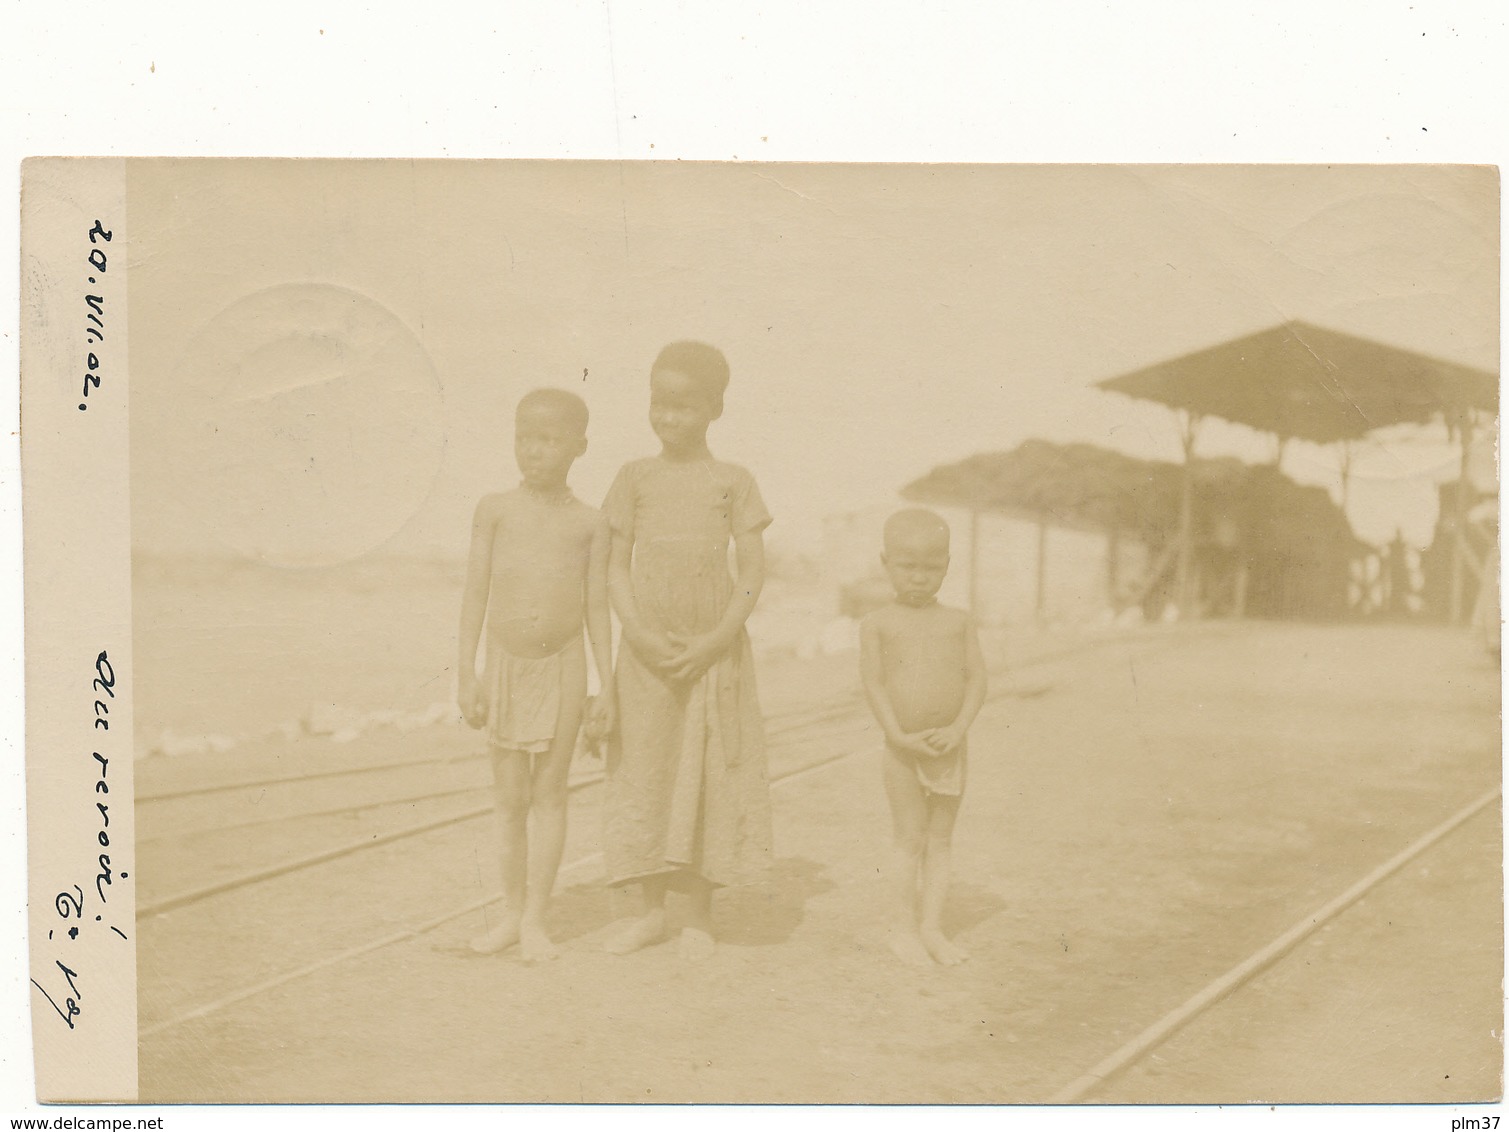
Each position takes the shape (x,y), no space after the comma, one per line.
(1172,802)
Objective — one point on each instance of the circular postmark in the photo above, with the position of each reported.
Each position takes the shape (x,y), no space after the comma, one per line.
(315,429)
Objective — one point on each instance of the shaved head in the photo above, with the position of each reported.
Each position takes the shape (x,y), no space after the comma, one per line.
(916,527)
(564,406)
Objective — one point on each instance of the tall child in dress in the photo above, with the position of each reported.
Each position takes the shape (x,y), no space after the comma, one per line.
(688,802)
(538,569)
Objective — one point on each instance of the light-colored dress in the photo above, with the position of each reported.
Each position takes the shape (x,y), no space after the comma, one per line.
(686,785)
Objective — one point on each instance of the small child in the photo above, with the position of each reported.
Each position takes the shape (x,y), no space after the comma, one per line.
(924,676)
(538,568)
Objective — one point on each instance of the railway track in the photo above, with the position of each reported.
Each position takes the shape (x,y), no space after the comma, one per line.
(1233,980)
(776,725)
(805,727)
(813,728)
(798,725)
(479,810)
(465,776)
(1081,1088)
(424,927)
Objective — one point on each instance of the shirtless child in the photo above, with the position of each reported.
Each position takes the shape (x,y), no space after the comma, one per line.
(538,568)
(925,680)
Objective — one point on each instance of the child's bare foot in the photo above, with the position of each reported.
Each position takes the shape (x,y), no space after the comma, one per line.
(500,938)
(943,949)
(647,930)
(696,944)
(535,945)
(908,948)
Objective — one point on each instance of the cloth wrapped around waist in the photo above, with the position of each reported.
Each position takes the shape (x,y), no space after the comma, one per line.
(524,697)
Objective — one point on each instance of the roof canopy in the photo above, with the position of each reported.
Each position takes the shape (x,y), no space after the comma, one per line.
(1303,382)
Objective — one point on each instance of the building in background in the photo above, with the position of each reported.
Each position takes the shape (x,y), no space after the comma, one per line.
(1051,534)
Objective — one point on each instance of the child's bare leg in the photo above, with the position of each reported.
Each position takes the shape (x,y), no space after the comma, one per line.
(649,928)
(511,800)
(909,831)
(697,936)
(942,809)
(548,834)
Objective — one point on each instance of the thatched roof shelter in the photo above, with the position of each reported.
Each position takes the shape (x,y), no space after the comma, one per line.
(1288,536)
(1084,485)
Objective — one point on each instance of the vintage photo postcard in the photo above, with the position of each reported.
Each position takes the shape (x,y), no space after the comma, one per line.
(513,631)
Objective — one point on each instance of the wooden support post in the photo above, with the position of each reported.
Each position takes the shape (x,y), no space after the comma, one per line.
(1185,576)
(1346,474)
(974,563)
(1113,562)
(1042,566)
(1455,611)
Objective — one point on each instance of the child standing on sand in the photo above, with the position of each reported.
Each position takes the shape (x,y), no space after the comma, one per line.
(538,568)
(924,676)
(688,803)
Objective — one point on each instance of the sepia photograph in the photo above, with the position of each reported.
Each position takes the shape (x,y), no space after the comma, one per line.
(729,632)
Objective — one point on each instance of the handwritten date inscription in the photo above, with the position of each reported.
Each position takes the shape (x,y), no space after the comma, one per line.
(94,317)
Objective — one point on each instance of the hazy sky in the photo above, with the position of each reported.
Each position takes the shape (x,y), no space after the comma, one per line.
(325,356)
